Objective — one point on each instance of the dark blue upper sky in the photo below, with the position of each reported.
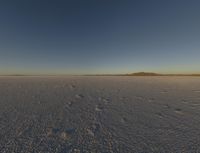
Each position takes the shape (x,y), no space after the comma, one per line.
(99,36)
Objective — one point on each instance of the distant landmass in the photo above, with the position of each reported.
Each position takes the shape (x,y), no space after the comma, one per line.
(158,74)
(128,74)
(144,74)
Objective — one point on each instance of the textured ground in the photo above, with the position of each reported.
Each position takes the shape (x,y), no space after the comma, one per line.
(99,114)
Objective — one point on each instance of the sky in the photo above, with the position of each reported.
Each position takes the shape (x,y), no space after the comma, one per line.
(99,36)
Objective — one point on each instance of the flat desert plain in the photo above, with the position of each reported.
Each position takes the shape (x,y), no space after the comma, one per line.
(99,114)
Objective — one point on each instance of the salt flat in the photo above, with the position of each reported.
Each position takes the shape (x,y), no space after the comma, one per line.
(113,114)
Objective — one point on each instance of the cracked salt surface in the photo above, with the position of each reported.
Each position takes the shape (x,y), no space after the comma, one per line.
(99,114)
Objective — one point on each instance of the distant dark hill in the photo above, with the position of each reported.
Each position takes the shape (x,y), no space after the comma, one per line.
(157,74)
(145,74)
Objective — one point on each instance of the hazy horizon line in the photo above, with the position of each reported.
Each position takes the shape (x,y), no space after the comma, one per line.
(141,73)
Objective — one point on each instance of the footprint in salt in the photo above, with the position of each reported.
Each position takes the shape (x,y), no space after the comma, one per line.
(79,96)
(167,106)
(72,86)
(90,132)
(68,104)
(105,100)
(140,97)
(178,111)
(184,101)
(151,100)
(98,108)
(164,91)
(123,120)
(159,114)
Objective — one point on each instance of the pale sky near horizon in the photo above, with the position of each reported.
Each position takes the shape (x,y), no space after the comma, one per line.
(99,36)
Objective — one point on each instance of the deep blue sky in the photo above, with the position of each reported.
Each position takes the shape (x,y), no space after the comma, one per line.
(99,36)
